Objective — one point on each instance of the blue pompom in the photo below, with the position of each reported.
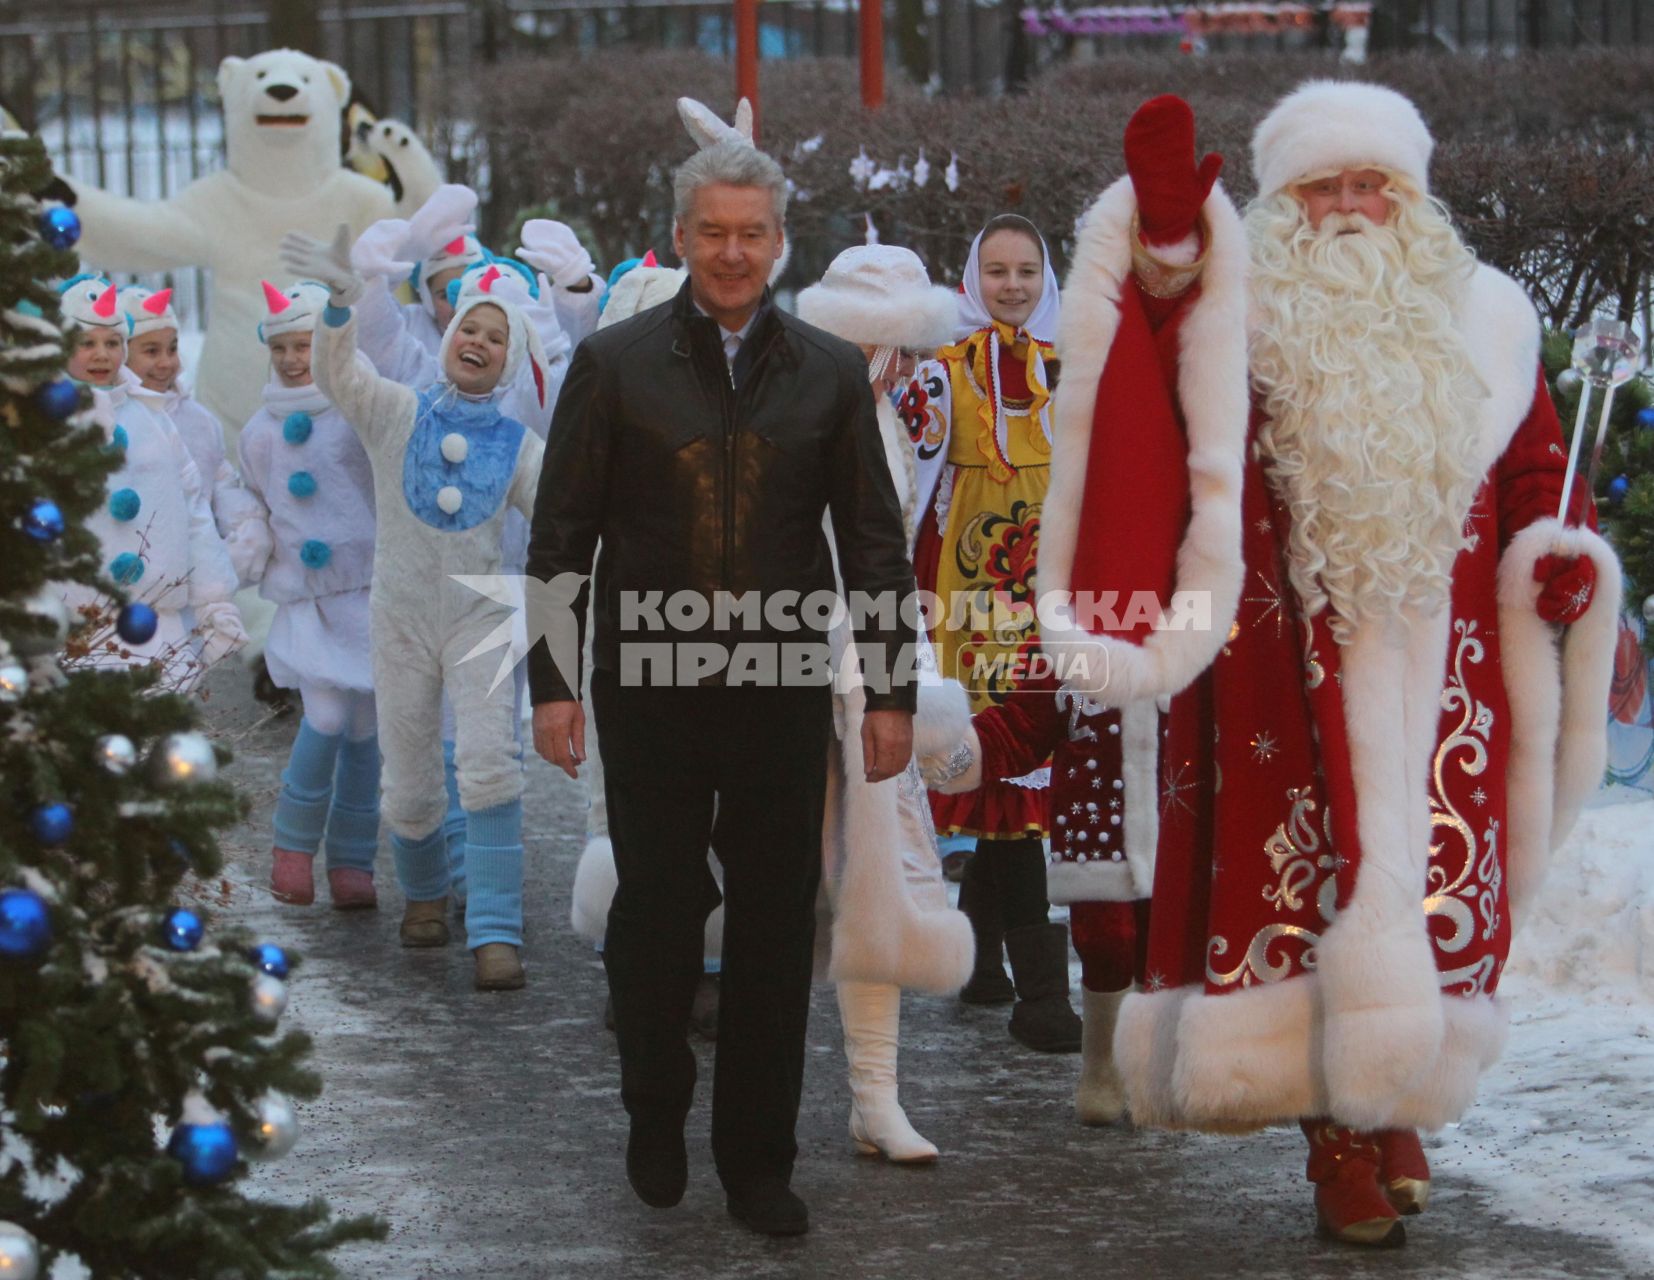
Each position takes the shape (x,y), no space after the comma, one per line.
(207,1152)
(60,226)
(182,930)
(301,484)
(44,521)
(124,504)
(296,428)
(53,823)
(126,568)
(315,553)
(25,926)
(1645,419)
(58,398)
(268,958)
(118,439)
(136,623)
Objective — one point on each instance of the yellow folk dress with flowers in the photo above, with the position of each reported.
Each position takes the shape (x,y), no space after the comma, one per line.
(987,421)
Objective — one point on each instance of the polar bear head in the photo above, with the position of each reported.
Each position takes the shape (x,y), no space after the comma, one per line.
(281,119)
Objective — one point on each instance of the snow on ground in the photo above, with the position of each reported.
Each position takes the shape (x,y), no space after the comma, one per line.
(1563,1130)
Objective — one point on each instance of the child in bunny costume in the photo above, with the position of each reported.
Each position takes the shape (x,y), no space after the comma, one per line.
(156,530)
(448,463)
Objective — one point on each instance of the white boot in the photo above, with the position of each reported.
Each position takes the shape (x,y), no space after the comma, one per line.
(1099,1098)
(871,1012)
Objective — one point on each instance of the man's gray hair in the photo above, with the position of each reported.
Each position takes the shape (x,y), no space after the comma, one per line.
(731,163)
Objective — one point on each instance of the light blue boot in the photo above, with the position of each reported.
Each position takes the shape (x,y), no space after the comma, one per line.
(353,826)
(301,813)
(453,825)
(494,863)
(422,871)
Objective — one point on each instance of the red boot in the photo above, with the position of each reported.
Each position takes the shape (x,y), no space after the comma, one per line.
(1349,1203)
(1403,1170)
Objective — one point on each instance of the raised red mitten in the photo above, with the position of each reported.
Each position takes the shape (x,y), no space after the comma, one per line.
(1569,583)
(1160,157)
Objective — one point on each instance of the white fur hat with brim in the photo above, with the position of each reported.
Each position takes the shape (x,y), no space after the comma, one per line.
(1326,126)
(878,295)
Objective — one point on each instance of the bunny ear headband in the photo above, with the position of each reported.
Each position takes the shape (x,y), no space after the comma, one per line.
(707,129)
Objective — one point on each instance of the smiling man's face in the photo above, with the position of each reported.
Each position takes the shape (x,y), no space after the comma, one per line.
(729,240)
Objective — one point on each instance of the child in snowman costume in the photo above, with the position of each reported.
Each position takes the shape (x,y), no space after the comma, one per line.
(447,465)
(156,530)
(152,355)
(310,477)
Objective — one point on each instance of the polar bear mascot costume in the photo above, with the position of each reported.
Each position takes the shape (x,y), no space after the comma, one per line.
(282,173)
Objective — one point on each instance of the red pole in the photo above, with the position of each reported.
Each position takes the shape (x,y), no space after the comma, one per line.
(872,53)
(746,57)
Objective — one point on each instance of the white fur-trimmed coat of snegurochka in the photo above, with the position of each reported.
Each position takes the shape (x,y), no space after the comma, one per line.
(1368,1038)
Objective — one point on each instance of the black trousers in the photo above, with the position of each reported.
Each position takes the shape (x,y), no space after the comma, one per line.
(744,771)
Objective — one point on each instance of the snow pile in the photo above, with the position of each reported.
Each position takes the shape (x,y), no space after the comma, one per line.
(1592,924)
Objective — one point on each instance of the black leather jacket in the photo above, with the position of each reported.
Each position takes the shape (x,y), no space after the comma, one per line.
(691,483)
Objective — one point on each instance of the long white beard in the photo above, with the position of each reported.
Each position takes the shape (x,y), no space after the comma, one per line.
(1370,399)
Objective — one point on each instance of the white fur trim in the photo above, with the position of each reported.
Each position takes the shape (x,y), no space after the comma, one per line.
(880,296)
(1213,388)
(1140,770)
(1559,737)
(1099,881)
(1326,126)
(880,933)
(942,719)
(1501,335)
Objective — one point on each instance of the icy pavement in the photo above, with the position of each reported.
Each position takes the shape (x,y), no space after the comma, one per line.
(488,1130)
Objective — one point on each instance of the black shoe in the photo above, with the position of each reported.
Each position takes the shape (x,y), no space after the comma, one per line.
(657,1165)
(988,983)
(770,1209)
(1043,1019)
(703,1014)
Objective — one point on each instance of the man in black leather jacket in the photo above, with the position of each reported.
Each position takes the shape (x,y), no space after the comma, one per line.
(701,443)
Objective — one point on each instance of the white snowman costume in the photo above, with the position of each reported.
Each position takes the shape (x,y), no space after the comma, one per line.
(156,531)
(238,514)
(447,467)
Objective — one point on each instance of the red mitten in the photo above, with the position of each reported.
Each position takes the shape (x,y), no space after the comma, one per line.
(1569,583)
(1160,157)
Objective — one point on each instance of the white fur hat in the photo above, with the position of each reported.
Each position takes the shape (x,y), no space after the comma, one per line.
(878,295)
(1325,126)
(91,300)
(293,310)
(148,309)
(638,290)
(509,291)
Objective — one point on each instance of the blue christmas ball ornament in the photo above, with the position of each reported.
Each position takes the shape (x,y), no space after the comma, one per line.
(1618,487)
(44,521)
(58,398)
(315,553)
(124,504)
(268,958)
(25,927)
(118,439)
(53,823)
(126,568)
(301,484)
(136,623)
(1645,419)
(182,930)
(295,429)
(60,227)
(207,1152)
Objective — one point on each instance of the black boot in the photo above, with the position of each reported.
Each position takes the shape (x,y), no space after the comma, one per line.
(988,983)
(1043,1019)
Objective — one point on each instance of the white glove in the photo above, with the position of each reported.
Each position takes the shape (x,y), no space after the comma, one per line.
(328,263)
(447,215)
(222,632)
(378,250)
(553,248)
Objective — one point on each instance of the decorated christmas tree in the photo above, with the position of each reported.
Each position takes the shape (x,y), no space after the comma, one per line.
(1624,486)
(141,1057)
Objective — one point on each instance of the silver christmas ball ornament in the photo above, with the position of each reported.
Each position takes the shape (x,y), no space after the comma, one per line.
(19,1253)
(183,758)
(269,998)
(46,606)
(116,753)
(1648,609)
(276,1127)
(1568,380)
